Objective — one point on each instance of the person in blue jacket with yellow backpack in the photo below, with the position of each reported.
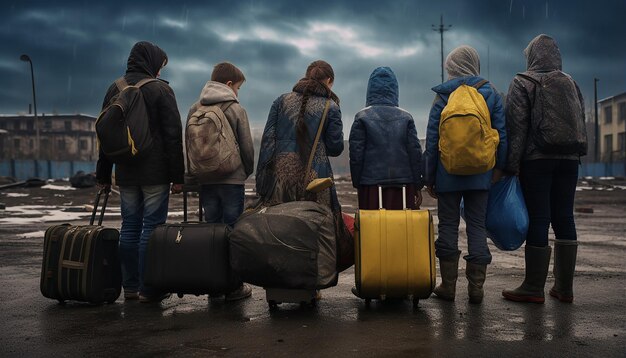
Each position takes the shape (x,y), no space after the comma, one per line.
(464,155)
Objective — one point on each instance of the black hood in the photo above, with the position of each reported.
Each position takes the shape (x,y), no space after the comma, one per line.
(146,57)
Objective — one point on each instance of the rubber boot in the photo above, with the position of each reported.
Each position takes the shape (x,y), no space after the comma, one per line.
(476,278)
(449,270)
(537,262)
(564,264)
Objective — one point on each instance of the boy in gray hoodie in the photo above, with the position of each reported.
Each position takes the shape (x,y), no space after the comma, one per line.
(223,197)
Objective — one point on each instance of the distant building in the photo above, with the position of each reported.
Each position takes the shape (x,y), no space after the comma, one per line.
(63,137)
(612,131)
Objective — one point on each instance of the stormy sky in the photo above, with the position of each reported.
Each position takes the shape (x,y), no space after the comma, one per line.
(79,47)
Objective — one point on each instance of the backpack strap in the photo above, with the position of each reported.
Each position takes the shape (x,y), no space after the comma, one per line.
(479,84)
(144,81)
(121,84)
(529,77)
(225,105)
(317,139)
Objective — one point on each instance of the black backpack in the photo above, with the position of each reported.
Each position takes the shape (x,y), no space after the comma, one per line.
(123,128)
(557,119)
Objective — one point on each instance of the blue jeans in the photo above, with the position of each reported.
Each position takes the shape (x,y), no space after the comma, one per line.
(549,186)
(449,212)
(143,208)
(222,203)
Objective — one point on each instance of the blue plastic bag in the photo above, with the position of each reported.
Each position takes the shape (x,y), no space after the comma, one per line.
(507,217)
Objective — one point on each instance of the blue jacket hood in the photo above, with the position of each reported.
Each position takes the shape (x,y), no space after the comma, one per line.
(382,88)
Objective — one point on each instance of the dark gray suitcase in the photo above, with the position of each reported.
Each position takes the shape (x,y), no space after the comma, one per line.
(190,258)
(81,262)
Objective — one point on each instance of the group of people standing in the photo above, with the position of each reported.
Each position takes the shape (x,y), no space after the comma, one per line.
(384,150)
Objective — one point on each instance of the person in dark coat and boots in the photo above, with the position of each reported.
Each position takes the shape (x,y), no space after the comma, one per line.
(548,180)
(145,184)
(384,149)
(463,67)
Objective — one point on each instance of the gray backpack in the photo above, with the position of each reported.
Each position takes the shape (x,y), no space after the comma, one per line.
(557,119)
(212,148)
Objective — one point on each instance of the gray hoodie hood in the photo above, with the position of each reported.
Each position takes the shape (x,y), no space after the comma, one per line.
(462,61)
(543,54)
(216,92)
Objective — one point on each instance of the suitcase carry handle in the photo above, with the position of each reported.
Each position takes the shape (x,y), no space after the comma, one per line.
(95,207)
(380,194)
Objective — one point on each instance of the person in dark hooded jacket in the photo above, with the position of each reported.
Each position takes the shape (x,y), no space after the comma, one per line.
(384,149)
(145,185)
(548,180)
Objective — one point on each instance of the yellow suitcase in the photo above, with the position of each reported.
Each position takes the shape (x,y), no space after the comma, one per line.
(394,254)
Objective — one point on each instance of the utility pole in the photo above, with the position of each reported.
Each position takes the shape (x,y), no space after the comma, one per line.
(596,149)
(441,29)
(26,58)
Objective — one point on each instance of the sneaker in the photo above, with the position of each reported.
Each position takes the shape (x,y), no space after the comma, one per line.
(242,292)
(131,295)
(154,299)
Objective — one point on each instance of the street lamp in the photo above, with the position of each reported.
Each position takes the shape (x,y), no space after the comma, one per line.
(25,58)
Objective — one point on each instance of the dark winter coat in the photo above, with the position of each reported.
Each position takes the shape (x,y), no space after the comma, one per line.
(434,172)
(542,56)
(384,148)
(165,163)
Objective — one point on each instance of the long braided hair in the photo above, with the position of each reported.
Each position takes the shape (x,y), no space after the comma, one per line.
(317,72)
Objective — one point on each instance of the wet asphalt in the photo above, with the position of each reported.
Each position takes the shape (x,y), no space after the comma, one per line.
(341,325)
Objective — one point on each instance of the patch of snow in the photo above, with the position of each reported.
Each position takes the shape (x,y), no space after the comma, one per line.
(16,195)
(606,178)
(581,188)
(57,187)
(34,234)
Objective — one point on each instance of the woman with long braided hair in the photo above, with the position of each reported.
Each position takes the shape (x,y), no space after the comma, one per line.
(287,141)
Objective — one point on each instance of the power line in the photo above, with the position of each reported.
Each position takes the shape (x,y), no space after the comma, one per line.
(441,29)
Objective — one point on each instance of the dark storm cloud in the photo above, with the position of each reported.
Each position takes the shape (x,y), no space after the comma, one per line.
(79,48)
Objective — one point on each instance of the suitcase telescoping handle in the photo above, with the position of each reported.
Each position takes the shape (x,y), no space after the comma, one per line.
(95,207)
(185,206)
(380,195)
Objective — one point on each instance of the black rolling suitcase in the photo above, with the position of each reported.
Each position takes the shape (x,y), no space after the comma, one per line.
(190,258)
(81,262)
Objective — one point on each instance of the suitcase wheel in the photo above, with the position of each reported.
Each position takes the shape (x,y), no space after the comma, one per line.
(368,301)
(273,305)
(180,295)
(61,302)
(416,302)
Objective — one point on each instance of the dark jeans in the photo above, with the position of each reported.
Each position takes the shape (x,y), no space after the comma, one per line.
(222,203)
(449,213)
(549,186)
(143,209)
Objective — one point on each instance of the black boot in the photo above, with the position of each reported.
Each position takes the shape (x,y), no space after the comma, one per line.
(537,262)
(449,270)
(476,278)
(564,265)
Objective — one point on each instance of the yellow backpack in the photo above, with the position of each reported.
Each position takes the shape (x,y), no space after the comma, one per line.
(467,143)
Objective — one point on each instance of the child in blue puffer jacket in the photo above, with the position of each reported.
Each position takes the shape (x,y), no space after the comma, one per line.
(384,149)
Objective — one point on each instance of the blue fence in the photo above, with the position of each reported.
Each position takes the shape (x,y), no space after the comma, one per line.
(44,169)
(603,170)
